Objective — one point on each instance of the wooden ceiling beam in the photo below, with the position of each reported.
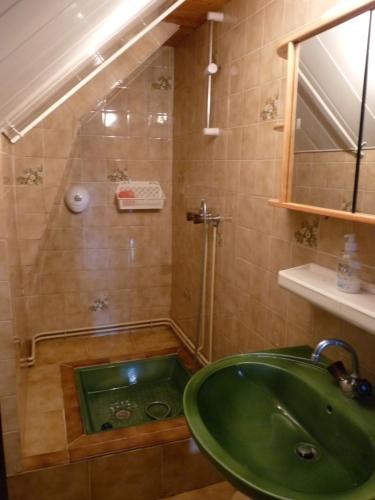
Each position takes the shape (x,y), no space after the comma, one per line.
(190,15)
(183,21)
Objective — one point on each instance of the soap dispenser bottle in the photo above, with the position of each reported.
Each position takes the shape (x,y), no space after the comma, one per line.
(349,267)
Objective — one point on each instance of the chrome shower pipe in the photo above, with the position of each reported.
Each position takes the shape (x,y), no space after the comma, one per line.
(212,69)
(209,83)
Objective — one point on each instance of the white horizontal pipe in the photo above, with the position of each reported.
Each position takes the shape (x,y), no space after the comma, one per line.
(113,328)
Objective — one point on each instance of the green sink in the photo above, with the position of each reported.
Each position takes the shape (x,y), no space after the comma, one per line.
(277,426)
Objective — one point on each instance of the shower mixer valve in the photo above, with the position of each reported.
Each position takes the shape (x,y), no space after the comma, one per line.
(204,216)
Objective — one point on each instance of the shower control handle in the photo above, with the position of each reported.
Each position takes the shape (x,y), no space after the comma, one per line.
(205,216)
(194,217)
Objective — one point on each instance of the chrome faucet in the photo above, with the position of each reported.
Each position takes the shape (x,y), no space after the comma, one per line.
(351,385)
(199,217)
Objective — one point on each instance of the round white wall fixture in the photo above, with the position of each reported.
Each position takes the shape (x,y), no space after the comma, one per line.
(77,199)
(212,68)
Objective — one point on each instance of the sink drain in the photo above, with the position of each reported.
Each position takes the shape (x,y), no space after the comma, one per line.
(307,452)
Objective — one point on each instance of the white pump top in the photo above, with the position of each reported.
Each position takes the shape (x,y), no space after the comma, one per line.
(350,243)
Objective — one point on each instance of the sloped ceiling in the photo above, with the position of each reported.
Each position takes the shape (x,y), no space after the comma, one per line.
(48,47)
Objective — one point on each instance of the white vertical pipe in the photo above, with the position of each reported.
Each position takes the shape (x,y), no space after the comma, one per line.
(204,289)
(212,294)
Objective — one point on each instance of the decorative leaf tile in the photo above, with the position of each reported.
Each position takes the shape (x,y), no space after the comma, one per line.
(270,109)
(308,233)
(162,83)
(99,305)
(31,177)
(346,205)
(118,175)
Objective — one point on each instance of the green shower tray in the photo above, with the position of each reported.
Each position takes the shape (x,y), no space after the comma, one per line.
(118,395)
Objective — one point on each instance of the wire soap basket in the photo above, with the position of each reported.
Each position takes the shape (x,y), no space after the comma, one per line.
(140,195)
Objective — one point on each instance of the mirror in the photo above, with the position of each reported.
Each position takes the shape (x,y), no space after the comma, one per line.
(366,184)
(328,160)
(331,71)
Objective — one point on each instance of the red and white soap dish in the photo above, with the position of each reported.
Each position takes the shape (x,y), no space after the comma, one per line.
(140,195)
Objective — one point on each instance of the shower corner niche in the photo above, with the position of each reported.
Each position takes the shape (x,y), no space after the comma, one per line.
(328,152)
(139,195)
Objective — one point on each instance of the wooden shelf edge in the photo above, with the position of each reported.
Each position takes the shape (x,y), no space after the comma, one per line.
(327,212)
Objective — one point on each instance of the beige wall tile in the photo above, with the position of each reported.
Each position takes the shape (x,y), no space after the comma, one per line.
(31,225)
(6,340)
(254,31)
(4,262)
(295,14)
(9,414)
(31,144)
(58,143)
(62,118)
(5,306)
(8,377)
(12,451)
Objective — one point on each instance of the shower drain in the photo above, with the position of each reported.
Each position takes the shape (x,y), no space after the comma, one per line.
(158,410)
(123,414)
(307,452)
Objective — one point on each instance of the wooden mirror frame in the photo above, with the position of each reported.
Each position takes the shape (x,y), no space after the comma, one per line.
(289,49)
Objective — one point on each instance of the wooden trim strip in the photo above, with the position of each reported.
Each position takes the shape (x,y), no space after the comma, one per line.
(327,212)
(289,49)
(290,104)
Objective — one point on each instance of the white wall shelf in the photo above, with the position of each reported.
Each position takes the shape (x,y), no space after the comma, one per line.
(317,284)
